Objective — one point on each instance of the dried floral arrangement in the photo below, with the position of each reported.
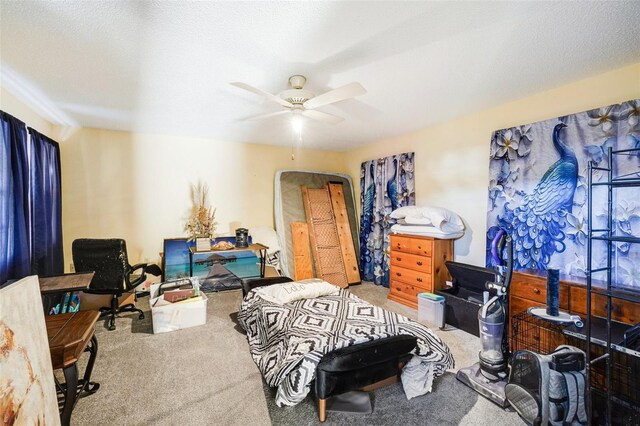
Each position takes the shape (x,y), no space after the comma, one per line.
(201,223)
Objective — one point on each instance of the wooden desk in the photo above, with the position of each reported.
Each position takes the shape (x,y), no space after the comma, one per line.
(69,336)
(65,283)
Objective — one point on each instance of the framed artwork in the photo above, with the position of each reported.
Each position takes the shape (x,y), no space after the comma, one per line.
(175,261)
(27,389)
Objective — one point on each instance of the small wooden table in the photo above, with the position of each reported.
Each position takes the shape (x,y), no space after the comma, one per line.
(70,335)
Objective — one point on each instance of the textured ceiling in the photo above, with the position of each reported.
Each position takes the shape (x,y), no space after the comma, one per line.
(165,67)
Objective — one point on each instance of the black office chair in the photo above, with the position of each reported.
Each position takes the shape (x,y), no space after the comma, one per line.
(113,274)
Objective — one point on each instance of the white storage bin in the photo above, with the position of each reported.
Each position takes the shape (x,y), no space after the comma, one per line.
(176,316)
(431,309)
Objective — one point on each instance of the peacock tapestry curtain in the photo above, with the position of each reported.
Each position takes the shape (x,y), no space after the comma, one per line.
(385,184)
(538,191)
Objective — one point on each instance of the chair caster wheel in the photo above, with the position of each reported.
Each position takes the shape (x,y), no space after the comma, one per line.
(112,325)
(141,316)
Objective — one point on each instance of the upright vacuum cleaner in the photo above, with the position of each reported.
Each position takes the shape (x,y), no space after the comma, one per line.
(489,376)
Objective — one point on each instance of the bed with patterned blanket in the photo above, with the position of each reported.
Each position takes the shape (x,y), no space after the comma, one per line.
(287,341)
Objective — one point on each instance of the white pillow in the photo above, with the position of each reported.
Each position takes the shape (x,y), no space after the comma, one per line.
(441,218)
(415,220)
(402,212)
(296,290)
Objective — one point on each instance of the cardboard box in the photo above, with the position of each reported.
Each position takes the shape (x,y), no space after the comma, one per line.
(93,302)
(176,316)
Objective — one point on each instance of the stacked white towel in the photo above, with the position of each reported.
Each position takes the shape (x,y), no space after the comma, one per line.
(428,221)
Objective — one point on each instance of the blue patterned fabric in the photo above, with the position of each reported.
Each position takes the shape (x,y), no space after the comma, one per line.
(385,184)
(538,190)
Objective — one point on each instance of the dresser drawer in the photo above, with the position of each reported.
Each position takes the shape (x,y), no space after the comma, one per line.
(411,261)
(400,243)
(621,310)
(518,304)
(421,247)
(405,290)
(536,290)
(408,276)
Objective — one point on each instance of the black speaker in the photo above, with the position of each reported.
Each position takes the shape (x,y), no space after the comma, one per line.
(242,237)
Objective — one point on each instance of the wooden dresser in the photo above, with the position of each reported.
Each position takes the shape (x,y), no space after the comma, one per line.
(530,289)
(417,266)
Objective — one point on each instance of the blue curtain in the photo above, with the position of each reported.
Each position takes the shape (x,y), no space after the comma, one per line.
(14,201)
(46,206)
(385,185)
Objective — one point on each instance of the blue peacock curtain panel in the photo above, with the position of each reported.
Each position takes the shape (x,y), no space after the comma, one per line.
(538,191)
(385,184)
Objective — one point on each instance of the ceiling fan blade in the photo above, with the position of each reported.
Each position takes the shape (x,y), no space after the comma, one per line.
(261,116)
(267,95)
(322,116)
(351,90)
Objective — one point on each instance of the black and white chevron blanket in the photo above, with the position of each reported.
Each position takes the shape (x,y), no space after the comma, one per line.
(287,341)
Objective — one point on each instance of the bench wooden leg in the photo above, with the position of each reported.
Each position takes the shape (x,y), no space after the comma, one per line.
(322,409)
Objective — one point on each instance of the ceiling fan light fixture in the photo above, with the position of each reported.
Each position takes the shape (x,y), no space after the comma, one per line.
(296,96)
(296,122)
(303,102)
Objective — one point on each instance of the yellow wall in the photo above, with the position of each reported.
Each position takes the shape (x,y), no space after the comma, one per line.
(452,158)
(11,105)
(136,186)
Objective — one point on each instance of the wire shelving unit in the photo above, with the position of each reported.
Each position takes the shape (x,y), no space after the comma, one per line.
(607,350)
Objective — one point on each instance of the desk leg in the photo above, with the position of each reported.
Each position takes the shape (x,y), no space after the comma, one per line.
(263,262)
(71,383)
(91,387)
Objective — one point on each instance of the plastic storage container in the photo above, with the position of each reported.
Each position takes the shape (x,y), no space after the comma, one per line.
(431,309)
(176,316)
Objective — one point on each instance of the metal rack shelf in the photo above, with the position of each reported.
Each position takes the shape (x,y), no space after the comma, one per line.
(616,239)
(610,346)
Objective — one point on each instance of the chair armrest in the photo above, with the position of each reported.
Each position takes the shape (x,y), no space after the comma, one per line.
(146,268)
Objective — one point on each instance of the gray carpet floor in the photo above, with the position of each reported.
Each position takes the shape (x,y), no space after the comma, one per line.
(205,376)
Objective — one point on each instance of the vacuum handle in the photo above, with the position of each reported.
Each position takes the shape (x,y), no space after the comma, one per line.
(485,307)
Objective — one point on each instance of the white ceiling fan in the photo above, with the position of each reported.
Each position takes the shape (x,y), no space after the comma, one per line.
(300,101)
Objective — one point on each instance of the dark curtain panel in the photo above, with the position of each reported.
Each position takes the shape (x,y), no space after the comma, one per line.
(46,206)
(14,200)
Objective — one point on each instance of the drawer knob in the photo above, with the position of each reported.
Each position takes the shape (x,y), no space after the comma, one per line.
(398,259)
(419,263)
(398,274)
(419,247)
(419,280)
(536,290)
(398,289)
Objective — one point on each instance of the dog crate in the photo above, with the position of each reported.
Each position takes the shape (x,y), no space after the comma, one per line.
(537,335)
